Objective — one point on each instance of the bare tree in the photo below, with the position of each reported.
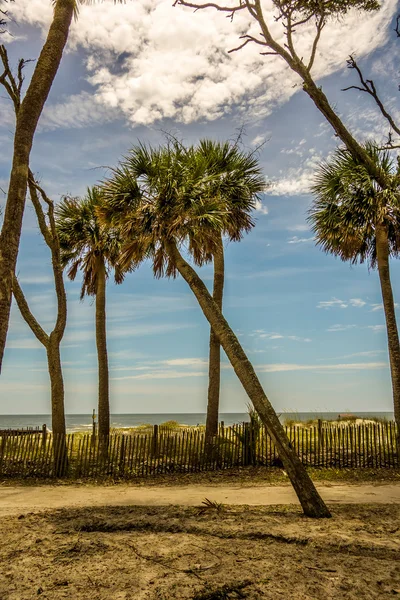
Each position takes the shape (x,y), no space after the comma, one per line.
(293,14)
(52,341)
(27,120)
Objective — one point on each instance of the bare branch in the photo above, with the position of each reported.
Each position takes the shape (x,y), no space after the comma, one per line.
(24,309)
(248,38)
(397,28)
(197,7)
(319,25)
(368,87)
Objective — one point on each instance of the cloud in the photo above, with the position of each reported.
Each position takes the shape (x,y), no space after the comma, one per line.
(35,280)
(297,181)
(185,362)
(298,227)
(297,240)
(76,111)
(130,48)
(357,302)
(162,375)
(25,344)
(273,368)
(261,334)
(376,307)
(261,208)
(366,353)
(339,327)
(377,328)
(334,303)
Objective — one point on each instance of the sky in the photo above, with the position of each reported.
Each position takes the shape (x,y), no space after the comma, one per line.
(312,325)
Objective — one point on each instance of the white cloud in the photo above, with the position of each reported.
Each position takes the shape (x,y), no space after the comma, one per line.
(334,303)
(185,362)
(377,328)
(297,240)
(298,228)
(25,344)
(261,334)
(357,302)
(131,48)
(376,307)
(162,375)
(297,180)
(339,327)
(261,208)
(366,353)
(273,368)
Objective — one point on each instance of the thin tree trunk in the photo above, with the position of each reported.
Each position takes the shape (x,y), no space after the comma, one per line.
(57,387)
(312,503)
(52,344)
(214,366)
(382,251)
(57,406)
(27,120)
(101,343)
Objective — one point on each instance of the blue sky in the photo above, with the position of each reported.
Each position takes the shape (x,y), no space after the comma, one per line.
(312,325)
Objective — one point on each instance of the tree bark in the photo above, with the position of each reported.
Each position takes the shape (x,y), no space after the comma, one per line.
(26,123)
(57,386)
(214,365)
(382,251)
(101,343)
(310,500)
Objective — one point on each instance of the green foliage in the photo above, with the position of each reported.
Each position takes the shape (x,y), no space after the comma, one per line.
(170,425)
(349,204)
(210,505)
(309,8)
(174,194)
(85,243)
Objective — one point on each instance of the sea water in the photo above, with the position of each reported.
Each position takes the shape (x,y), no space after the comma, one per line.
(84,422)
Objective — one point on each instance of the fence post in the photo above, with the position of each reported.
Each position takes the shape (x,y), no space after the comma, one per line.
(94,428)
(154,448)
(44,434)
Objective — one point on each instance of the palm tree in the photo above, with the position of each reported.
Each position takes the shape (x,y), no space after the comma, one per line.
(238,181)
(160,199)
(28,112)
(357,220)
(87,246)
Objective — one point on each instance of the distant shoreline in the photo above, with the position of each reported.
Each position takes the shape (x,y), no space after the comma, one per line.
(124,421)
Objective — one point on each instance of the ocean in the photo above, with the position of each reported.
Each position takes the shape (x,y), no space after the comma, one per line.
(84,422)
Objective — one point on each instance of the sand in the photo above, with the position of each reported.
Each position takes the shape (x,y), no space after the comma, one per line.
(17,499)
(121,543)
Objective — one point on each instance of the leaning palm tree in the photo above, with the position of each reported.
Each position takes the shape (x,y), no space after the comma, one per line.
(161,199)
(28,112)
(238,180)
(355,219)
(87,246)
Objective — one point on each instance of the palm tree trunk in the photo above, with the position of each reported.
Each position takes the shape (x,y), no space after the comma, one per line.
(214,366)
(101,343)
(382,251)
(27,120)
(57,406)
(310,500)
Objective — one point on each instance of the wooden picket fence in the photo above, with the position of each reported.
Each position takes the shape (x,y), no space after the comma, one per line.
(160,451)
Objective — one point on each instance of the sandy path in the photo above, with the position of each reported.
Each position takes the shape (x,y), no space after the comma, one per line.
(15,500)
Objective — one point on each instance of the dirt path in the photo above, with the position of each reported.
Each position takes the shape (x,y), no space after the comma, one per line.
(14,500)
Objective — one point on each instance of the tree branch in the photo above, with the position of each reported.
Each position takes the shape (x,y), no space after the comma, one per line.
(13,85)
(27,315)
(368,87)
